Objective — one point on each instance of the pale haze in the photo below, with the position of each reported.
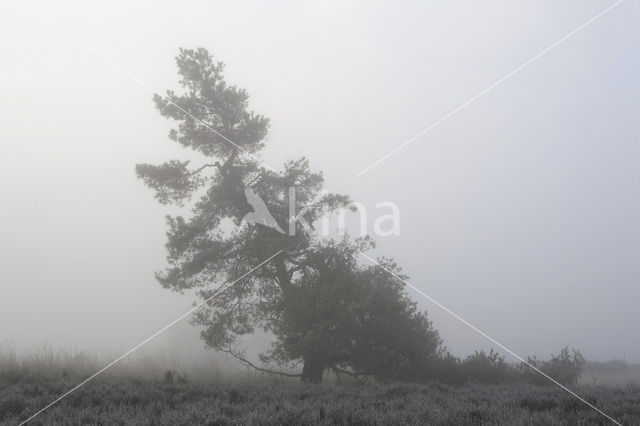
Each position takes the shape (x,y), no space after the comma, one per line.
(521,212)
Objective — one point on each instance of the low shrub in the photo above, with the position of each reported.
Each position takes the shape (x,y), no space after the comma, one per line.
(564,368)
(492,368)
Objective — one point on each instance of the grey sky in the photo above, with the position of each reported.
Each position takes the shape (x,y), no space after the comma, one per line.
(520,213)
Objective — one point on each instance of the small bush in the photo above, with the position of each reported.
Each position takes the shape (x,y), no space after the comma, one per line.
(481,367)
(487,368)
(564,368)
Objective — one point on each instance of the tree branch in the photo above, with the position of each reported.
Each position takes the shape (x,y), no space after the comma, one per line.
(359,377)
(282,274)
(255,367)
(199,169)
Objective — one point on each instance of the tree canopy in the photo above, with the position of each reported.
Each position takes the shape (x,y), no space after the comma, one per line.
(323,308)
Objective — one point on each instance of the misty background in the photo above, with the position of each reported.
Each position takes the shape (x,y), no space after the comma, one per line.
(520,213)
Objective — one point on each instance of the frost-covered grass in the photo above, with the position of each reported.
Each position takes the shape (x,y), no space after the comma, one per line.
(120,400)
(142,391)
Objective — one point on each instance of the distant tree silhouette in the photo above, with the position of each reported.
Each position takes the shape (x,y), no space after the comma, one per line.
(324,309)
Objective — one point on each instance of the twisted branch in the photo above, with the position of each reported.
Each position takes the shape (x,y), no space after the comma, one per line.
(255,367)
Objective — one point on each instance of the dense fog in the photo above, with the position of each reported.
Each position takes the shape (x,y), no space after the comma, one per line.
(520,212)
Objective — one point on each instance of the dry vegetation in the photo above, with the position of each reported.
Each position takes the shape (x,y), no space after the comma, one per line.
(131,394)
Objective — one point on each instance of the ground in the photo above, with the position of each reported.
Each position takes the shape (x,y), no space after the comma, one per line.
(117,400)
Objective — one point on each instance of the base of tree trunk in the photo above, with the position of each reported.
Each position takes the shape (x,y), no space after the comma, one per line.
(312,371)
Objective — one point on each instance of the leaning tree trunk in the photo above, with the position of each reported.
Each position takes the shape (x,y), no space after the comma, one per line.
(312,370)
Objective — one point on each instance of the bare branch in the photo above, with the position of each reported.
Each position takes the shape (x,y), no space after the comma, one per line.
(255,367)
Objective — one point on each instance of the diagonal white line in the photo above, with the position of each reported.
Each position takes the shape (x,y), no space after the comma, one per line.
(135,78)
(220,289)
(476,329)
(471,100)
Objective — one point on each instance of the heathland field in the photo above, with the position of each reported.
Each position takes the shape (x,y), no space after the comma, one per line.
(142,391)
(175,401)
